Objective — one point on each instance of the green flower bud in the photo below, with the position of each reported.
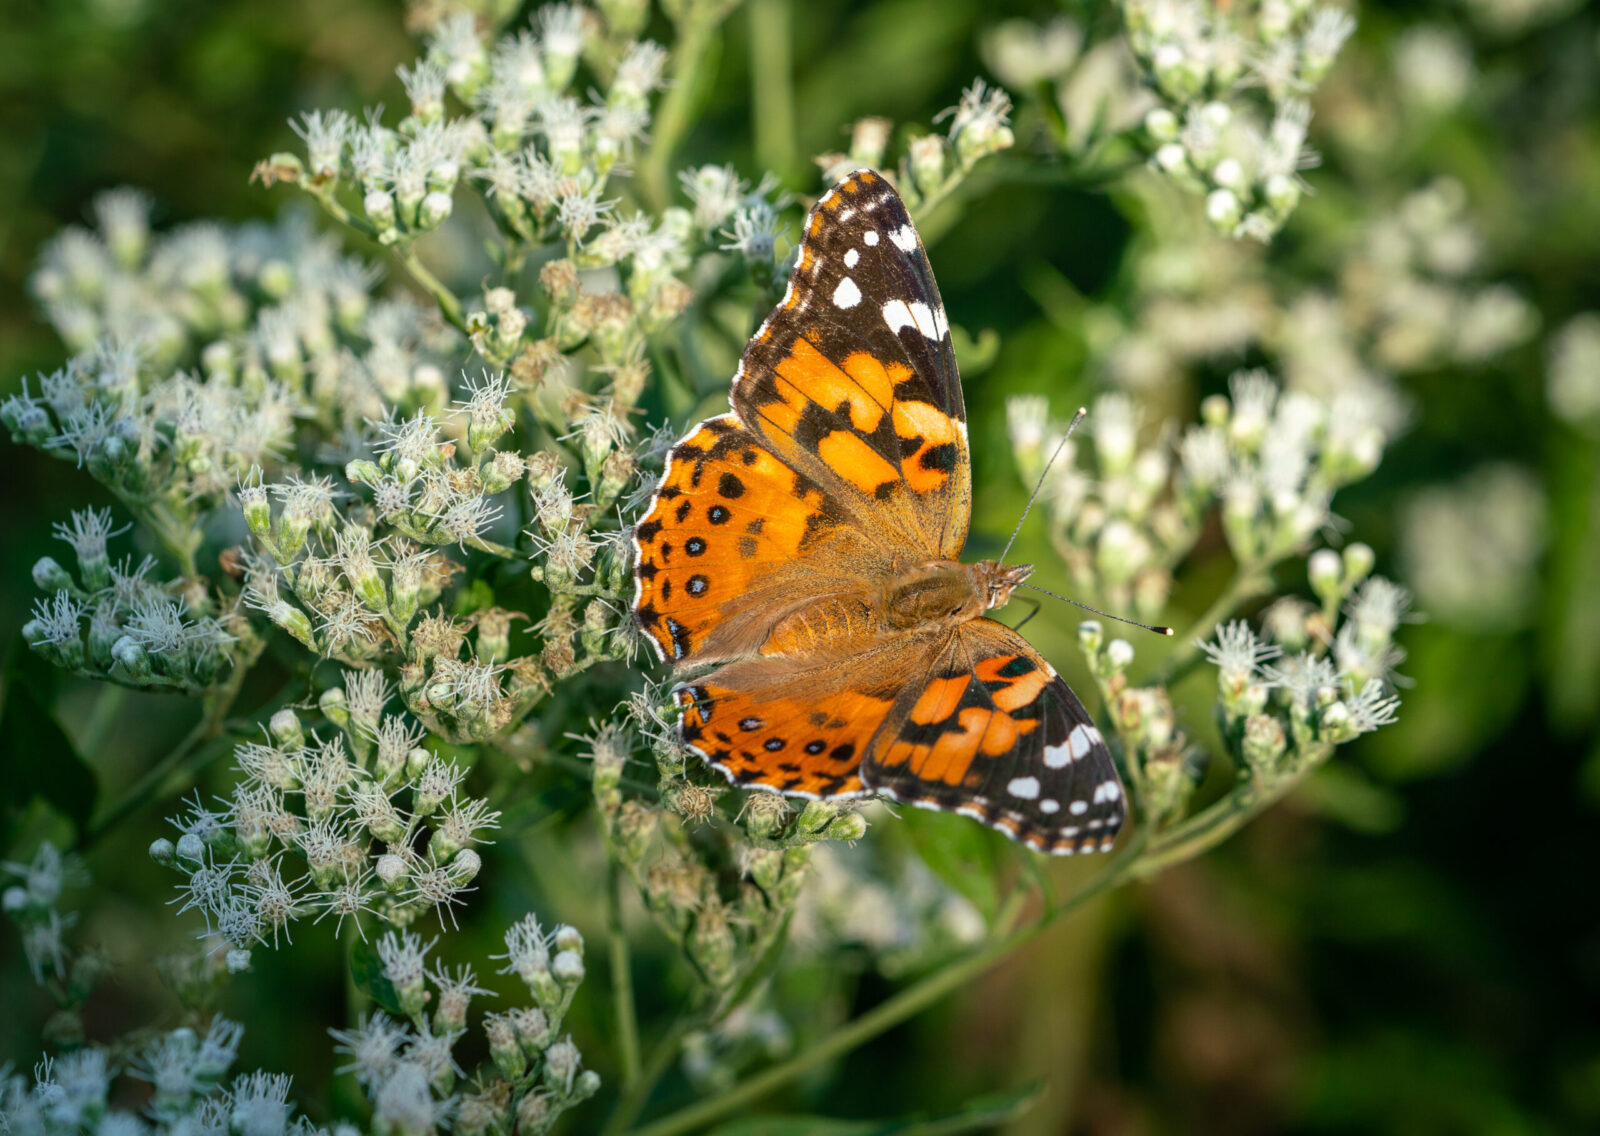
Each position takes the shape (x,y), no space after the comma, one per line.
(49,576)
(334,707)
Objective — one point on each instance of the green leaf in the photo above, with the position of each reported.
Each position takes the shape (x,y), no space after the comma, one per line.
(959,852)
(37,759)
(981,1112)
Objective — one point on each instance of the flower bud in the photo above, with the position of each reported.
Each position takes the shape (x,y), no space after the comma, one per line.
(49,576)
(379,207)
(1223,210)
(163,852)
(1326,572)
(1264,742)
(503,1047)
(567,938)
(568,968)
(435,207)
(131,660)
(1358,562)
(391,871)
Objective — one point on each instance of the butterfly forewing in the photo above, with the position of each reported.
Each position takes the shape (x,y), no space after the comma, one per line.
(852,378)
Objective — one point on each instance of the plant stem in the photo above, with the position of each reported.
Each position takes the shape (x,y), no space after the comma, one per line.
(187,757)
(1249,581)
(448,304)
(189,754)
(772,85)
(622,982)
(897,1009)
(661,1057)
(672,119)
(101,718)
(1205,830)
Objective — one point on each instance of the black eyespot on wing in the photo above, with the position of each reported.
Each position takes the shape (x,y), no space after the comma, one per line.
(730,486)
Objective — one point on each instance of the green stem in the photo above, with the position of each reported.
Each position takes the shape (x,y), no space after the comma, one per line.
(1205,830)
(897,1009)
(448,304)
(101,718)
(190,754)
(672,119)
(772,85)
(1249,581)
(622,983)
(661,1058)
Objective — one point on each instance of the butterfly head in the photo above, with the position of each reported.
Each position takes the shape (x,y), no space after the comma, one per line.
(996,580)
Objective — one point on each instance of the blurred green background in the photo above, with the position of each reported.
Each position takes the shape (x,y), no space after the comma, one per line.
(1412,945)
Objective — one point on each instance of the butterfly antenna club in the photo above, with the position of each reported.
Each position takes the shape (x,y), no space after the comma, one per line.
(1045,472)
(1156,627)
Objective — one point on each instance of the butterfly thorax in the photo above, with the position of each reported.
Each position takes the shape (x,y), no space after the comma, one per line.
(943,593)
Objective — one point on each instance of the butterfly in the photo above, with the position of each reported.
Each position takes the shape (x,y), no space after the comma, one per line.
(800,564)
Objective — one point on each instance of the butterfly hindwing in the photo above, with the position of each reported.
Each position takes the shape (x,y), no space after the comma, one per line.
(993,733)
(768,725)
(852,379)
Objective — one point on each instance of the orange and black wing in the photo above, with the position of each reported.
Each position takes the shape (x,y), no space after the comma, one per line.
(852,380)
(803,731)
(993,733)
(728,546)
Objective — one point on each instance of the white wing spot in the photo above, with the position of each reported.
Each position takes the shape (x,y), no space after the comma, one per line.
(1057,756)
(904,238)
(1078,808)
(897,315)
(846,214)
(1106,791)
(870,238)
(924,318)
(846,295)
(852,258)
(1026,788)
(1079,741)
(1049,805)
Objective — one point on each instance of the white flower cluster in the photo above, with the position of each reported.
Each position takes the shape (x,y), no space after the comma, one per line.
(1410,297)
(891,906)
(111,621)
(933,164)
(186,1070)
(1086,95)
(726,211)
(32,902)
(1473,547)
(1234,82)
(1318,681)
(408,1067)
(281,329)
(1124,518)
(722,927)
(364,822)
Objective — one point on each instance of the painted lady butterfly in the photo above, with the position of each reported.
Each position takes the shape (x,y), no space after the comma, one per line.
(806,547)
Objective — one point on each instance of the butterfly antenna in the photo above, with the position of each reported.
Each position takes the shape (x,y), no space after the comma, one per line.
(1038,485)
(1157,628)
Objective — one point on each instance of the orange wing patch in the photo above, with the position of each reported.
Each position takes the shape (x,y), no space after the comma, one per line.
(727,515)
(804,746)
